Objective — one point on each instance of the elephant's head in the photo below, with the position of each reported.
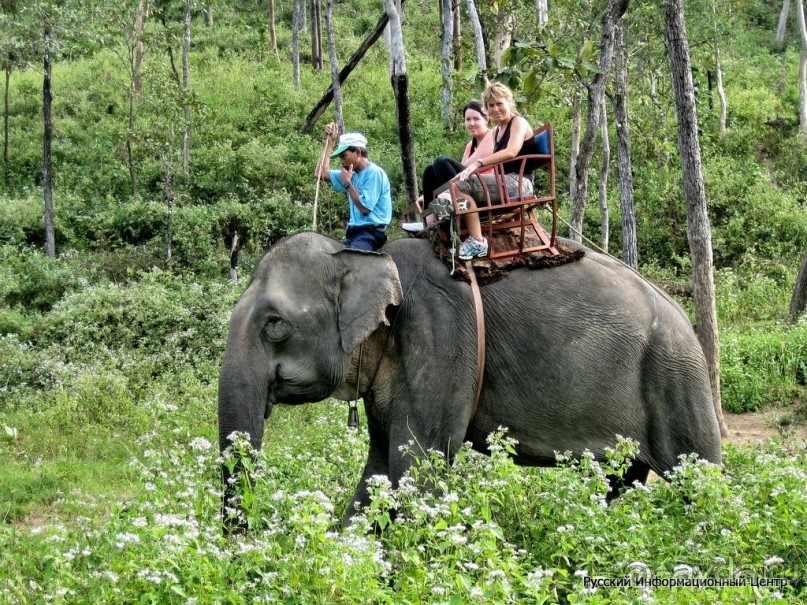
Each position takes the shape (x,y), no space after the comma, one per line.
(310,303)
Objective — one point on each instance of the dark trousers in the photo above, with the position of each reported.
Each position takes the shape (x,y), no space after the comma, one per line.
(440,171)
(365,237)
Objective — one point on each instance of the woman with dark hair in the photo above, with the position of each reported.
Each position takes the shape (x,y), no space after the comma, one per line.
(512,138)
(445,168)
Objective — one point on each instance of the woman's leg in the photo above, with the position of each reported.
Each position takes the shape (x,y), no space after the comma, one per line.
(439,172)
(427,185)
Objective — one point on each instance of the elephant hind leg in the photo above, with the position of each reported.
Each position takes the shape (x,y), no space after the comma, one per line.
(637,471)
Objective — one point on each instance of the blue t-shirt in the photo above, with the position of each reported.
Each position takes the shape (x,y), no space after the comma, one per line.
(372,184)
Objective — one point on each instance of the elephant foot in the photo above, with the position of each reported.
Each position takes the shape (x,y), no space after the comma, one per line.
(638,471)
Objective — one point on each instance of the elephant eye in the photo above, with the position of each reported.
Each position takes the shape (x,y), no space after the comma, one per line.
(277,329)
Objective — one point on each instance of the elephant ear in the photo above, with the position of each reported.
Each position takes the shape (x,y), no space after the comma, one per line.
(367,287)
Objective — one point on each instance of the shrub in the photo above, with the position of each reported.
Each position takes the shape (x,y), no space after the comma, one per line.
(762,364)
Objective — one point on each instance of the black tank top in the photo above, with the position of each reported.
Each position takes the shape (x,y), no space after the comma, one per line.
(529,147)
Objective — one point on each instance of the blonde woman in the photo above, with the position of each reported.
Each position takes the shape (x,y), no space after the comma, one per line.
(512,138)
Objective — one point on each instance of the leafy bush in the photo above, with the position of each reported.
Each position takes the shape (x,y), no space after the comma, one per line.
(491,532)
(762,364)
(170,319)
(30,280)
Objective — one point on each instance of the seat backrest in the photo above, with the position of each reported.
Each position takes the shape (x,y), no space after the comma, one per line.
(542,142)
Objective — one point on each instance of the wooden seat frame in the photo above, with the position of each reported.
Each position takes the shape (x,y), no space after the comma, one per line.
(516,214)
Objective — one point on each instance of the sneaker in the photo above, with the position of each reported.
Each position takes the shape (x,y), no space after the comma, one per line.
(471,248)
(412,227)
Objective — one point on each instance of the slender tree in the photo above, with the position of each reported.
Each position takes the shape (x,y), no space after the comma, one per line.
(7,66)
(316,35)
(802,69)
(186,74)
(541,12)
(208,14)
(799,300)
(137,31)
(295,42)
(335,85)
(663,157)
(447,38)
(721,93)
(698,229)
(457,43)
(575,143)
(616,8)
(505,25)
(270,17)
(11,52)
(400,86)
(479,39)
(603,184)
(780,31)
(629,246)
(47,168)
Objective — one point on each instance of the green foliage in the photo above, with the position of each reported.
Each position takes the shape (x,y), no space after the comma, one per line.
(763,364)
(491,532)
(109,356)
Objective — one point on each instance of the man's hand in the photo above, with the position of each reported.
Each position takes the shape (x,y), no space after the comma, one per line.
(332,130)
(347,175)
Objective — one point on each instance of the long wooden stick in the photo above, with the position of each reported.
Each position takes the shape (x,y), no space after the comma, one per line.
(319,179)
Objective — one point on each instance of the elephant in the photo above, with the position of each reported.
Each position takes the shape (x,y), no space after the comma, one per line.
(575,355)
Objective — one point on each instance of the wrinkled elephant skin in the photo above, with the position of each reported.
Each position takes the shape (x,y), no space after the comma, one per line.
(575,355)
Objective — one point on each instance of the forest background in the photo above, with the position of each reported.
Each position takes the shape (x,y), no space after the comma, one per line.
(110,341)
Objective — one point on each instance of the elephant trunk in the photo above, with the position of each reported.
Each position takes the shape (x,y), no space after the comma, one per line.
(243,407)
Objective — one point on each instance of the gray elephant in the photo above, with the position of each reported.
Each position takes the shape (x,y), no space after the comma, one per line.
(574,355)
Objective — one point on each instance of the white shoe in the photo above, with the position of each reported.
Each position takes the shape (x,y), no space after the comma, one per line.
(471,248)
(413,227)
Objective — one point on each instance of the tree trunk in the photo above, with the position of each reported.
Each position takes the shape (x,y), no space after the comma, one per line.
(47,181)
(630,252)
(400,87)
(799,300)
(270,17)
(575,143)
(505,24)
(457,43)
(319,108)
(168,186)
(234,259)
(5,112)
(209,15)
(129,137)
(721,93)
(186,74)
(447,39)
(780,31)
(295,43)
(541,12)
(802,70)
(479,39)
(698,230)
(316,35)
(335,86)
(663,157)
(139,25)
(616,8)
(604,165)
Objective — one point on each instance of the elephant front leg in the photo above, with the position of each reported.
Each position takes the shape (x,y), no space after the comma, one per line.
(377,464)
